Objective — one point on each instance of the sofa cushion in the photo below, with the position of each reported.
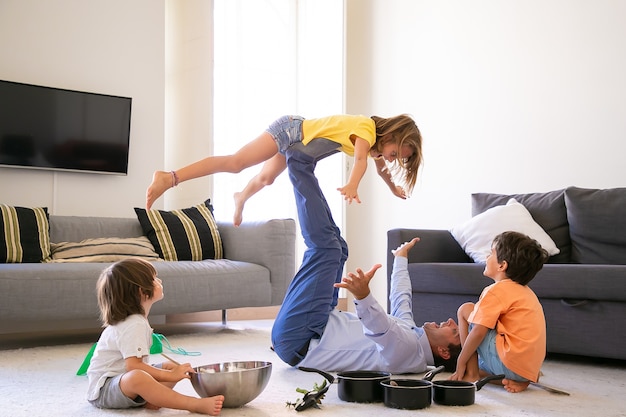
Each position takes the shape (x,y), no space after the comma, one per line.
(597,220)
(25,234)
(182,235)
(568,282)
(547,209)
(476,235)
(107,249)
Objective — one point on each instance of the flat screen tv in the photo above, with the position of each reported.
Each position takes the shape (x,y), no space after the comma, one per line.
(57,129)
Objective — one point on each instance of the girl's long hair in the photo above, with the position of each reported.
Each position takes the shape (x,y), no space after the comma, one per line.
(120,288)
(404,132)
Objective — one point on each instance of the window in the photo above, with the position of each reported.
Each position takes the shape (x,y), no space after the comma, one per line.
(275,57)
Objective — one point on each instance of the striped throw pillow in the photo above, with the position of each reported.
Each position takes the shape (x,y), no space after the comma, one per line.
(182,235)
(104,249)
(25,234)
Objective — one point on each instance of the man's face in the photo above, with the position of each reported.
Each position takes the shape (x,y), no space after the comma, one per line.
(445,331)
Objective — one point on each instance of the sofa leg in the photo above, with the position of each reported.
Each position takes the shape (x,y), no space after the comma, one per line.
(224,317)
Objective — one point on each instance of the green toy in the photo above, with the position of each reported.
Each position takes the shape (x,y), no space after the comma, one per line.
(157,347)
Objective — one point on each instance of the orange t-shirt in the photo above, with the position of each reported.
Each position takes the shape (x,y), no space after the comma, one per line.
(516,313)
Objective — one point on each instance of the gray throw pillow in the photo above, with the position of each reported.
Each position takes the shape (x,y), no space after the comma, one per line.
(547,209)
(597,220)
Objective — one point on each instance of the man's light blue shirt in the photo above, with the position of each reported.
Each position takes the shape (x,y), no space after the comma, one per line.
(371,339)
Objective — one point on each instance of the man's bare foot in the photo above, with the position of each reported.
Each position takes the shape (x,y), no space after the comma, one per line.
(239,203)
(211,405)
(514,386)
(161,182)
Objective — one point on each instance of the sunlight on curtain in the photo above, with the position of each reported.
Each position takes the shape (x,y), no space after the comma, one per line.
(255,83)
(275,57)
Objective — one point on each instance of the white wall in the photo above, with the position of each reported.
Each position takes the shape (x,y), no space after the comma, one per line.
(105,46)
(510,96)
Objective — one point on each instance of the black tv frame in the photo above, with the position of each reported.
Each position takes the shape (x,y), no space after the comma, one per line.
(59,129)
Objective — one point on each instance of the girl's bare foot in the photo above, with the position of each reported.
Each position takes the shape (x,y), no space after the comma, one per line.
(211,405)
(239,203)
(161,182)
(514,386)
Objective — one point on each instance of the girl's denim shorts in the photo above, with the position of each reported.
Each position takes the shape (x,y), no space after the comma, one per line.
(286,131)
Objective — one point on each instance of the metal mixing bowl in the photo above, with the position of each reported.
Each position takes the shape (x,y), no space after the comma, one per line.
(239,382)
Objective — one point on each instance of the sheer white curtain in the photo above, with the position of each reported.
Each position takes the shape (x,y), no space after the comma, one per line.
(275,57)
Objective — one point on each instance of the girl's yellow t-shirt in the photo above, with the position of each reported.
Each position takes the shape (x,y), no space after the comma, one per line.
(339,129)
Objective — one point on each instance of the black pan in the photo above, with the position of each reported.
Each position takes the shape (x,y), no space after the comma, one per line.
(361,386)
(459,392)
(410,394)
(357,386)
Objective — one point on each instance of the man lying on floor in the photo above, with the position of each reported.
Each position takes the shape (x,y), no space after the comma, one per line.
(310,332)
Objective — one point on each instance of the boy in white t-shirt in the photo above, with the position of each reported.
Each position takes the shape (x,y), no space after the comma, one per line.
(119,376)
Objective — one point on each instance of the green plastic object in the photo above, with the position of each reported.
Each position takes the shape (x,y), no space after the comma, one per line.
(157,347)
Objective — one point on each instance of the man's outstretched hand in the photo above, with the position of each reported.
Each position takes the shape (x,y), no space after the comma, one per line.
(403,249)
(358,283)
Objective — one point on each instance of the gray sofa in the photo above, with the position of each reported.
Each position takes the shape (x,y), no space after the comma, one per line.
(582,289)
(258,266)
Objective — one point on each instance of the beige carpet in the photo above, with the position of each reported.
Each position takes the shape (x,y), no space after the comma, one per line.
(41,381)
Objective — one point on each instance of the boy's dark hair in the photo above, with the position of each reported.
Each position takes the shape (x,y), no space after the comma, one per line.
(120,288)
(524,255)
(450,363)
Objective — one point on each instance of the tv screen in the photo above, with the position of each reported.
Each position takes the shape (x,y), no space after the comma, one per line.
(52,128)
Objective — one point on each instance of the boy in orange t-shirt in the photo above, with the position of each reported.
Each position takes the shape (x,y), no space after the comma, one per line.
(505,331)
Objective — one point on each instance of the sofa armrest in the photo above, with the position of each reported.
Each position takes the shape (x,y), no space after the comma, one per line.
(270,243)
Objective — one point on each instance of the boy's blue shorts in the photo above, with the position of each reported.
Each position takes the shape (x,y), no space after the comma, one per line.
(489,360)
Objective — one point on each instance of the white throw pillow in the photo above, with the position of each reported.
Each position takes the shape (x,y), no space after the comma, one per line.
(476,235)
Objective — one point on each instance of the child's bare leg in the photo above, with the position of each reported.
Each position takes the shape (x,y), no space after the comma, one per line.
(462,315)
(136,382)
(472,372)
(270,171)
(260,149)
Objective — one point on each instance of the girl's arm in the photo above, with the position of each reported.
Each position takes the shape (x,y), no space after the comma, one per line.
(473,340)
(175,374)
(350,190)
(384,173)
